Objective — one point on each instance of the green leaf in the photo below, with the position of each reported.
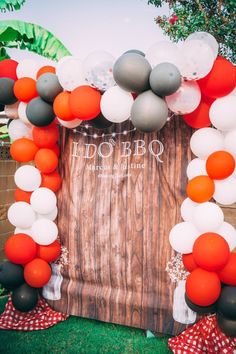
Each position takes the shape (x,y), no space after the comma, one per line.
(11,5)
(24,35)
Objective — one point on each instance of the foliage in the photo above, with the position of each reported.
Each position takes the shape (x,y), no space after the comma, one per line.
(11,5)
(214,16)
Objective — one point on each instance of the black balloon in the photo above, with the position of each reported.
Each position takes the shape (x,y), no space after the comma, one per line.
(100,122)
(48,87)
(136,51)
(227,326)
(227,302)
(2,107)
(200,309)
(6,91)
(39,112)
(24,298)
(11,275)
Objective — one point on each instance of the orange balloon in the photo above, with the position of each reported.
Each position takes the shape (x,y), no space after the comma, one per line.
(25,89)
(200,189)
(49,253)
(45,137)
(211,251)
(37,273)
(203,288)
(46,160)
(85,102)
(220,165)
(46,69)
(56,149)
(22,196)
(228,273)
(23,150)
(189,262)
(61,106)
(51,181)
(20,249)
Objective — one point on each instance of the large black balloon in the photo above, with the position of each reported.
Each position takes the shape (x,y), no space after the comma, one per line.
(200,309)
(227,326)
(48,87)
(25,298)
(227,302)
(39,112)
(6,91)
(11,275)
(100,122)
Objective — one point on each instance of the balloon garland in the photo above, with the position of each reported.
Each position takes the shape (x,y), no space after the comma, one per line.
(192,81)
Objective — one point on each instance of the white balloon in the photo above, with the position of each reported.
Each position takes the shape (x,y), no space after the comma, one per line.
(70,123)
(116,104)
(27,68)
(225,191)
(164,51)
(21,214)
(44,232)
(187,209)
(223,113)
(18,230)
(22,113)
(230,142)
(69,71)
(98,70)
(205,141)
(196,167)
(11,110)
(233,93)
(51,216)
(229,233)
(208,39)
(18,129)
(182,237)
(27,178)
(185,99)
(208,217)
(198,59)
(43,200)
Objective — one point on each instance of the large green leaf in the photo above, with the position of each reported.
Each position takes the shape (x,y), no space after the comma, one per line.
(24,35)
(11,5)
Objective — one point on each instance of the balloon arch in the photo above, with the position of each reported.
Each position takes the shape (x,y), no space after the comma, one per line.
(192,81)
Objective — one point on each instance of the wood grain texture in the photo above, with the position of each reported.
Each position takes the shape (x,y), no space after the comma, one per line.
(116,229)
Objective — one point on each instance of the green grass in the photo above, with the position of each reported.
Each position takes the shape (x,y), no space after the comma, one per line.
(79,335)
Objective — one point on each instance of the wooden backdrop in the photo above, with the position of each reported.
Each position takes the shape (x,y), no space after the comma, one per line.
(116,228)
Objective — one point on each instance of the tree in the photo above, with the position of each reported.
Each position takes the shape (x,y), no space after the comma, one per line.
(214,16)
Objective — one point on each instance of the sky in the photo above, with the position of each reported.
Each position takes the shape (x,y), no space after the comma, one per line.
(88,25)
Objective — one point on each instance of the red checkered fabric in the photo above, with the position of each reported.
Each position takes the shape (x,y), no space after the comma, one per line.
(203,337)
(41,317)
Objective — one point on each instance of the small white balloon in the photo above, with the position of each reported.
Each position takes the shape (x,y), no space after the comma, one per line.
(70,74)
(27,68)
(223,113)
(116,104)
(182,237)
(208,217)
(208,39)
(18,129)
(205,141)
(230,142)
(43,200)
(27,178)
(51,216)
(44,232)
(196,167)
(22,113)
(229,233)
(70,123)
(21,214)
(187,209)
(11,110)
(186,99)
(198,59)
(18,230)
(225,191)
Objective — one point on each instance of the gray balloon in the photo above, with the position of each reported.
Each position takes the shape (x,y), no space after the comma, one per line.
(131,72)
(165,79)
(6,91)
(137,51)
(48,87)
(149,112)
(39,112)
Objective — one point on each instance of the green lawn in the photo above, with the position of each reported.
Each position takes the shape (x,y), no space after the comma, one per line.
(78,335)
